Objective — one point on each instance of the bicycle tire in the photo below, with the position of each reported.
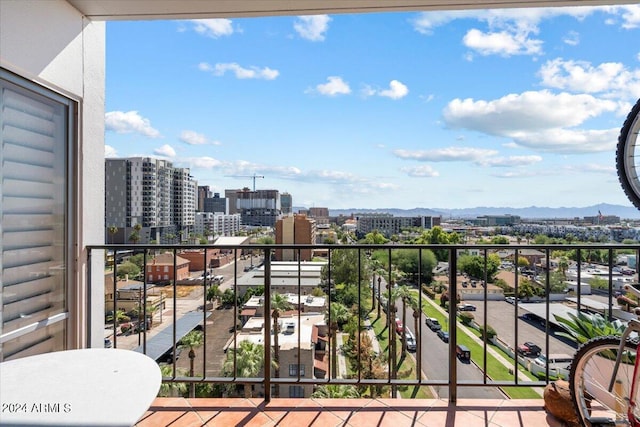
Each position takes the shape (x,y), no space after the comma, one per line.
(589,378)
(628,170)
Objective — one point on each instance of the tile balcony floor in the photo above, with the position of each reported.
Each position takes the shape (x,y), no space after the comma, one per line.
(180,412)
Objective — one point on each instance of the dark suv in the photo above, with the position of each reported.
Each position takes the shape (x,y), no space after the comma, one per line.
(529,349)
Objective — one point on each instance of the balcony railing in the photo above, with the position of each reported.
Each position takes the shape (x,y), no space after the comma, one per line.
(520,304)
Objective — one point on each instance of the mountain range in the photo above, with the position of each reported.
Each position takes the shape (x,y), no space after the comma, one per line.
(532,212)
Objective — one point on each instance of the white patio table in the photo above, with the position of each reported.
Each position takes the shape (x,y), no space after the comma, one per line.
(88,387)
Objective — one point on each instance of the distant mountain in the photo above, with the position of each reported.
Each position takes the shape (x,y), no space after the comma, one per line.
(532,212)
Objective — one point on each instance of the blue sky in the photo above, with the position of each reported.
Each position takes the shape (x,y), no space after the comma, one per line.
(503,108)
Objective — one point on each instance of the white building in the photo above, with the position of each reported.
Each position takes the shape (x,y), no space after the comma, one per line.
(217,224)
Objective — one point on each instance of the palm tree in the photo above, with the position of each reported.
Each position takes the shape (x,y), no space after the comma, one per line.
(336,392)
(338,314)
(563,266)
(404,293)
(171,389)
(279,303)
(112,231)
(192,340)
(245,361)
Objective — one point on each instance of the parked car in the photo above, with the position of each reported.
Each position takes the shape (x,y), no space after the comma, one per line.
(399,326)
(443,335)
(411,343)
(529,349)
(510,300)
(433,324)
(466,307)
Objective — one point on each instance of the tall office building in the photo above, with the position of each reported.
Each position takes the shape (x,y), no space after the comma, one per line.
(150,194)
(286,202)
(216,204)
(295,229)
(232,197)
(203,193)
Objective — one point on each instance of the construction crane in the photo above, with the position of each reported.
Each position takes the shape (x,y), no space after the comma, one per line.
(254,176)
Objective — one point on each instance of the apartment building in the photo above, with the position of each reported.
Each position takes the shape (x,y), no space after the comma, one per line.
(149,194)
(296,229)
(388,225)
(216,224)
(294,360)
(204,192)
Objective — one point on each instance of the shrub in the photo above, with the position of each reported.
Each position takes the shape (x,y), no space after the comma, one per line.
(466,318)
(487,332)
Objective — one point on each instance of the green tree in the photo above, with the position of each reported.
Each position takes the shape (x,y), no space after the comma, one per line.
(192,340)
(374,238)
(407,261)
(171,389)
(228,298)
(406,296)
(113,230)
(247,359)
(128,269)
(279,304)
(474,266)
(338,315)
(336,392)
(214,293)
(344,267)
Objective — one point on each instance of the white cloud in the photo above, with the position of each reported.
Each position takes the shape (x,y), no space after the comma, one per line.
(213,28)
(194,138)
(334,86)
(502,43)
(203,162)
(109,151)
(129,122)
(449,154)
(611,79)
(397,90)
(572,38)
(510,161)
(539,120)
(252,72)
(165,151)
(509,31)
(422,171)
(312,27)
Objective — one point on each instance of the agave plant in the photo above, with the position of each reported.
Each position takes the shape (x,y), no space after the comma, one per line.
(583,327)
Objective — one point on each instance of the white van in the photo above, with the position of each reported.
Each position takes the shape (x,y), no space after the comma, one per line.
(555,361)
(217,279)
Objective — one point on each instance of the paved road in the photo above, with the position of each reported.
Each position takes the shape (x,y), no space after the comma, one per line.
(435,365)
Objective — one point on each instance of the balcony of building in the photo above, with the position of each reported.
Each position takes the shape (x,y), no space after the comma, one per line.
(432,385)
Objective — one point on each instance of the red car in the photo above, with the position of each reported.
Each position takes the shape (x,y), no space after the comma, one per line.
(529,349)
(399,326)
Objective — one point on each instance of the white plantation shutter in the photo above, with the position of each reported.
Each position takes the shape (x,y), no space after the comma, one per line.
(34,133)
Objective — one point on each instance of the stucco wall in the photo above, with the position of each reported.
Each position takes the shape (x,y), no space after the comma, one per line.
(51,43)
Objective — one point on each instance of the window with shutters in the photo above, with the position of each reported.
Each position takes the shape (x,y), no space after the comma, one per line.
(36,135)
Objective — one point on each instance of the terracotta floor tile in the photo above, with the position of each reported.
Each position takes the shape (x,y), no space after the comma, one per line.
(179,412)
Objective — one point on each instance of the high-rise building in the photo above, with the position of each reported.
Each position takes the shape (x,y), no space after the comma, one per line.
(148,194)
(259,208)
(232,197)
(203,193)
(216,204)
(320,215)
(292,230)
(286,201)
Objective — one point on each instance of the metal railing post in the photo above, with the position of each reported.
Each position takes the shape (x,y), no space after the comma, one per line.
(267,325)
(453,292)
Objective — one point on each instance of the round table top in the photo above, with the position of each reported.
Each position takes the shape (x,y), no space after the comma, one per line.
(88,387)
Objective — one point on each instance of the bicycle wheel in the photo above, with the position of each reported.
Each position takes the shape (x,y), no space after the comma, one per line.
(626,154)
(589,378)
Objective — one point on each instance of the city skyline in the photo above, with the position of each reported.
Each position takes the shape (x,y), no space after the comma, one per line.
(443,109)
